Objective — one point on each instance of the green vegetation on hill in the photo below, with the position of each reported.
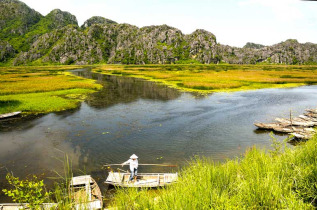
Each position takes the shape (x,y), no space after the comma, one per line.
(54,20)
(16,19)
(253,45)
(280,178)
(97,20)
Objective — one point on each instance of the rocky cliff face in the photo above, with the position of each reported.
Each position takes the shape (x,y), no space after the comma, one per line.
(97,20)
(202,46)
(16,18)
(6,51)
(288,52)
(56,38)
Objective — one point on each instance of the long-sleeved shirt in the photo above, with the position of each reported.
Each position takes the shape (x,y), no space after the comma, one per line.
(133,164)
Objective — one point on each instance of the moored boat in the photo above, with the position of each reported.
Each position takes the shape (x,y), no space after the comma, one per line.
(7,115)
(19,206)
(308,118)
(296,121)
(143,179)
(310,114)
(314,111)
(85,192)
(267,126)
(302,135)
(283,128)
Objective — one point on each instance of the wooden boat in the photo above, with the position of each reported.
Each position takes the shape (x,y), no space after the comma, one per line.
(12,114)
(314,111)
(309,114)
(308,118)
(300,127)
(301,135)
(19,206)
(143,179)
(268,126)
(282,128)
(296,121)
(292,129)
(85,192)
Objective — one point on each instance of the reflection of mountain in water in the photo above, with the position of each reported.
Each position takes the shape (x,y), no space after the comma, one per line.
(125,90)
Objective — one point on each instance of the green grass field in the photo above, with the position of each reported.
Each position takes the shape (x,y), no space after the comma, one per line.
(42,89)
(218,78)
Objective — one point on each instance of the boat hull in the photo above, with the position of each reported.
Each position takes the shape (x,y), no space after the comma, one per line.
(146,180)
(8,115)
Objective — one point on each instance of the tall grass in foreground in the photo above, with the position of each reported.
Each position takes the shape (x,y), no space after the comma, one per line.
(32,194)
(260,179)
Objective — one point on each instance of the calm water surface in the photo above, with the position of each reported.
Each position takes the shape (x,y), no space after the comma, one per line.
(159,124)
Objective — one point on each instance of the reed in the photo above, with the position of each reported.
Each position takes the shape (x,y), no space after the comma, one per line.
(280,178)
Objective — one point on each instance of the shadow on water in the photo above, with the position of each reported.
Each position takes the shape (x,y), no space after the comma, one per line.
(262,131)
(19,123)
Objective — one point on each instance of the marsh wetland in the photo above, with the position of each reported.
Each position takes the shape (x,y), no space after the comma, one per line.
(124,115)
(130,115)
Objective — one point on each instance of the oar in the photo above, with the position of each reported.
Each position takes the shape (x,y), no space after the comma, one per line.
(143,165)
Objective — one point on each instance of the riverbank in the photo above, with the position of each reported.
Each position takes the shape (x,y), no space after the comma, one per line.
(217,78)
(278,178)
(43,89)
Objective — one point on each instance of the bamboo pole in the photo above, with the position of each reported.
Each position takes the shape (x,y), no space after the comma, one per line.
(290,117)
(143,165)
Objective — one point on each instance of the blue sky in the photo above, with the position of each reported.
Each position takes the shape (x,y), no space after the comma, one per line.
(234,22)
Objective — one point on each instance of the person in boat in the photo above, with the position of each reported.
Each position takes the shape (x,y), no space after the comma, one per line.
(133,161)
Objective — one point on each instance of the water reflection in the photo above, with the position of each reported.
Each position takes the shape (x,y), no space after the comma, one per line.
(125,90)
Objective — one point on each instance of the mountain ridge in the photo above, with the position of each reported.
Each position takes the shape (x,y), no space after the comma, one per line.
(29,38)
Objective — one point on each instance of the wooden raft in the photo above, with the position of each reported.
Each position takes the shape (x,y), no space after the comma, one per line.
(301,127)
(147,180)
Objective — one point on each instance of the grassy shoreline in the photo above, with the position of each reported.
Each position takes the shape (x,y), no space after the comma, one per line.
(217,78)
(43,89)
(280,178)
(23,88)
(275,178)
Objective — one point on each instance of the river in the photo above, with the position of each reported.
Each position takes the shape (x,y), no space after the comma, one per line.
(158,123)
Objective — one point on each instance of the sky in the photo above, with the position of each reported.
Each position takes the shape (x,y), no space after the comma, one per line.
(234,22)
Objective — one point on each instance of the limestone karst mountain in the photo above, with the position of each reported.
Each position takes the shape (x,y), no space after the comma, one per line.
(27,37)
